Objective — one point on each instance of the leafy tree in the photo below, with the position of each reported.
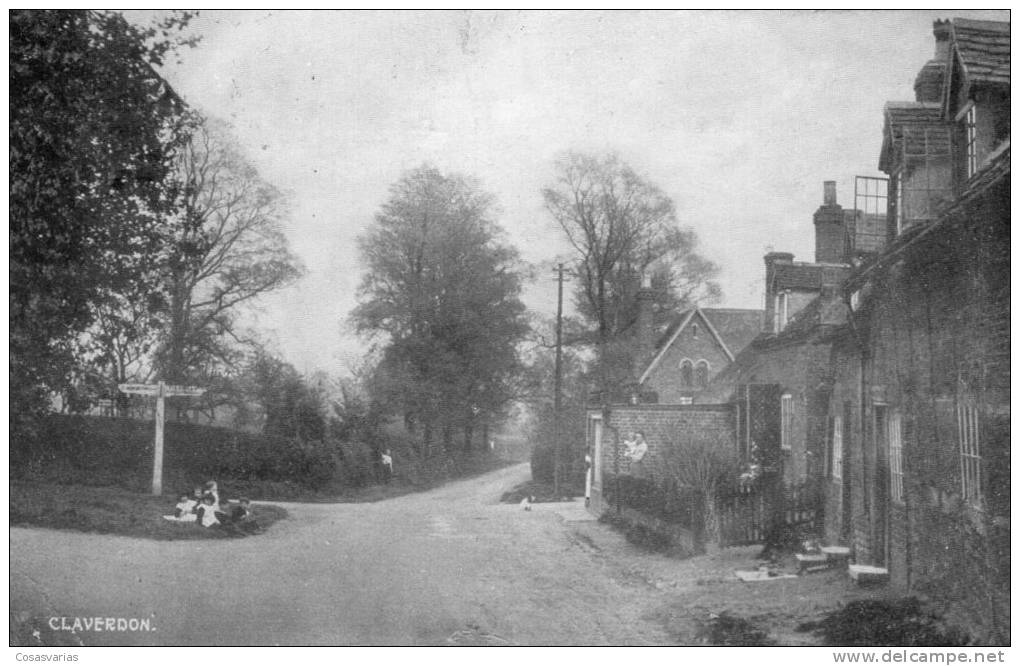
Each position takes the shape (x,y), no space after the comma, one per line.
(93,132)
(292,407)
(227,251)
(621,228)
(442,292)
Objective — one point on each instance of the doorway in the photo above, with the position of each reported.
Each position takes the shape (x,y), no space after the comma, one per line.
(880,427)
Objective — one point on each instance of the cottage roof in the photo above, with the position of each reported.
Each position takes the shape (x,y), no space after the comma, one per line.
(918,126)
(806,328)
(983,47)
(732,328)
(806,276)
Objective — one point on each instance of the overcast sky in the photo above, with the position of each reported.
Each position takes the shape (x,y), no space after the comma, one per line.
(738,116)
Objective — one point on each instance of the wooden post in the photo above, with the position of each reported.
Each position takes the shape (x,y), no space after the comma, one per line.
(157,458)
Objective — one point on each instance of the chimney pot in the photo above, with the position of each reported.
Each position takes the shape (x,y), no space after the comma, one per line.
(829,198)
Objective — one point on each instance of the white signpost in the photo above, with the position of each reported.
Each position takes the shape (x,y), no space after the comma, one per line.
(161,391)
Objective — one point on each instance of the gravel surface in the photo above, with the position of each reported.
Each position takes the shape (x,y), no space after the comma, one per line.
(450,566)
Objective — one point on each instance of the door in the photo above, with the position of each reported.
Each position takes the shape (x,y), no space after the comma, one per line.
(847,500)
(881,491)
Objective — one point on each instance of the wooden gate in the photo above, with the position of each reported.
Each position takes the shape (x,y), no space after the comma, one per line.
(745,511)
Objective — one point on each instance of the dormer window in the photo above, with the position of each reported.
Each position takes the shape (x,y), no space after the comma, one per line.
(782,312)
(970,139)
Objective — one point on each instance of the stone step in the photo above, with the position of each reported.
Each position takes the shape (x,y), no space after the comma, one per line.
(811,561)
(838,555)
(864,574)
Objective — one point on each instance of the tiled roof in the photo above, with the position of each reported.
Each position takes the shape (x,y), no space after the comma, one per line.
(913,127)
(807,276)
(984,49)
(736,327)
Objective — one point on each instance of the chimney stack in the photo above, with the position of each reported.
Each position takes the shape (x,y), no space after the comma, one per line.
(829,197)
(645,324)
(928,84)
(830,228)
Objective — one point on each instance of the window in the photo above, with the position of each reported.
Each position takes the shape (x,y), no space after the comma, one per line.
(782,310)
(701,373)
(686,373)
(786,422)
(895,457)
(694,331)
(970,452)
(837,448)
(970,139)
(898,180)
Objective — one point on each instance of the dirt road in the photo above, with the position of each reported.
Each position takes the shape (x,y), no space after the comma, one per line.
(449,566)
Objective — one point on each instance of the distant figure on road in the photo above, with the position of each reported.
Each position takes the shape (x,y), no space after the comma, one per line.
(387,464)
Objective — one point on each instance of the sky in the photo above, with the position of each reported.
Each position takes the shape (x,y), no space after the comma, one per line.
(738,116)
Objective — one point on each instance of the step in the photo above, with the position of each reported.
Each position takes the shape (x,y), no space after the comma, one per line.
(864,574)
(807,561)
(836,554)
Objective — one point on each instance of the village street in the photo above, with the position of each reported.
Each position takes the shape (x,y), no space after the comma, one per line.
(448,566)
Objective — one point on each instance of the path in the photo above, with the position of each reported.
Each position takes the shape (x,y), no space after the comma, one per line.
(447,566)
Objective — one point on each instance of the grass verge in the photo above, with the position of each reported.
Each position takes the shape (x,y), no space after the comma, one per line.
(107,510)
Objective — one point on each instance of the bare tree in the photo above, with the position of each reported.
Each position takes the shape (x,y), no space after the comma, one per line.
(230,250)
(621,227)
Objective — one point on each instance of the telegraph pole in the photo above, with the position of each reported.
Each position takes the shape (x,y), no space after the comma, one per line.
(558,382)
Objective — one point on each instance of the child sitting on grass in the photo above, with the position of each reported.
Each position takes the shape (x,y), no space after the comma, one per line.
(208,512)
(184,510)
(242,517)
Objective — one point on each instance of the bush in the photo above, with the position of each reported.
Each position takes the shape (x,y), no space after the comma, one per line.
(98,451)
(665,501)
(871,622)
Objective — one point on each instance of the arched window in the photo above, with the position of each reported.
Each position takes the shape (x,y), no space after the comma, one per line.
(701,373)
(686,373)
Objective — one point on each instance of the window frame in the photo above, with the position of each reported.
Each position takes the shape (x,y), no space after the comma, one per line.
(786,422)
(836,471)
(968,433)
(782,313)
(687,373)
(894,437)
(702,364)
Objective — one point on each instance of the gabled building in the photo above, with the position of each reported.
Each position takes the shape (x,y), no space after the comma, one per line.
(779,384)
(696,346)
(918,441)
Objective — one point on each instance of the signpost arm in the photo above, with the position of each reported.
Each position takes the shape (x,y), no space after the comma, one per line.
(157,461)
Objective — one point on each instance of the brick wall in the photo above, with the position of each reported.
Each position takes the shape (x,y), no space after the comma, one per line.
(935,334)
(659,424)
